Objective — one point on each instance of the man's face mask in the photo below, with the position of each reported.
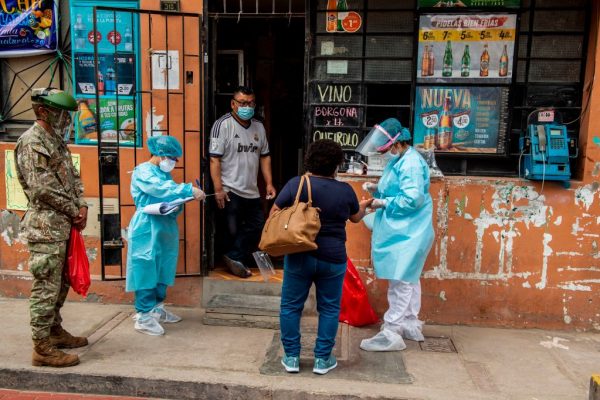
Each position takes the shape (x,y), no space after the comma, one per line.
(245,113)
(167,164)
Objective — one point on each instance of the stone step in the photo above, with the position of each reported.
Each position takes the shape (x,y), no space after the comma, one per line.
(246,304)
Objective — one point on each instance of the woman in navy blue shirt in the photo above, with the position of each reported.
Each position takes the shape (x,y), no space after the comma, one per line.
(325,266)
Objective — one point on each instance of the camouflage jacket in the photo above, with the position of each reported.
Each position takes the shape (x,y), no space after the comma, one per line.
(50,182)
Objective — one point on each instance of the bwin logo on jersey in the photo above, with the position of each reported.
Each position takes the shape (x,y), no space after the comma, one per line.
(251,148)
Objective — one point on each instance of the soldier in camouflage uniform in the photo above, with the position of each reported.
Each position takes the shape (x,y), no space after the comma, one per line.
(55,193)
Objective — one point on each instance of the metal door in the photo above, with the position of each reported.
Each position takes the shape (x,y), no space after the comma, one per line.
(167,99)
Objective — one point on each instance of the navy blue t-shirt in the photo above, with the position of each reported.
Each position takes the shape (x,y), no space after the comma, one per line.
(337,202)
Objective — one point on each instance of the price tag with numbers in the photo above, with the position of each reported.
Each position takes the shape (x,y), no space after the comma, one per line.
(546,116)
(461,121)
(87,88)
(430,120)
(124,88)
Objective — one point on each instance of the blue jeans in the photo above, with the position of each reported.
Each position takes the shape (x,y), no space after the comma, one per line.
(146,299)
(299,272)
(244,220)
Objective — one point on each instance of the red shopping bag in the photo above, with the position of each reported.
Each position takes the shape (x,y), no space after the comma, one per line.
(355,308)
(77,261)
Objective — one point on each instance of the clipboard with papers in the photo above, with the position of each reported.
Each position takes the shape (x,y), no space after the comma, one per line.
(166,207)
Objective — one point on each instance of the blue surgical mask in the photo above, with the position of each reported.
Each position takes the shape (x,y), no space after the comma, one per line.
(245,113)
(167,165)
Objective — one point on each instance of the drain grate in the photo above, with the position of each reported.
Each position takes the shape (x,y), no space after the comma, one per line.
(439,344)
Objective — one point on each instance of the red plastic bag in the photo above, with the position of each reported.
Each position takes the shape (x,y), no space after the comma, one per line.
(355,308)
(77,261)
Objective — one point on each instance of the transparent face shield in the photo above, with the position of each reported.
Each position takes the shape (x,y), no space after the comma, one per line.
(377,141)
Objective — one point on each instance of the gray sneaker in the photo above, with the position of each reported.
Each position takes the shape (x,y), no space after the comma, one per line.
(237,268)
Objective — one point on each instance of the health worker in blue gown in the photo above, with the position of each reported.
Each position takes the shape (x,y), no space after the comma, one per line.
(402,232)
(153,240)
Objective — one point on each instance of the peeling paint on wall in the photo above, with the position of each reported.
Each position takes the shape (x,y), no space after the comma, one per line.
(547,253)
(585,194)
(558,220)
(9,227)
(596,170)
(92,253)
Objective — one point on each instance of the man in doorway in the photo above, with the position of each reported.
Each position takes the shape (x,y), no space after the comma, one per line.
(55,193)
(238,146)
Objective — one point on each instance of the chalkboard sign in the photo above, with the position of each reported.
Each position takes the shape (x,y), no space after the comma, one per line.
(336,93)
(337,116)
(348,138)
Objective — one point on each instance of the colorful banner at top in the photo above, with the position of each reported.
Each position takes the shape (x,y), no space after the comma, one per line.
(28,27)
(469,3)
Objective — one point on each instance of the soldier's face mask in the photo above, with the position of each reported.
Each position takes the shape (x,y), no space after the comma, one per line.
(60,121)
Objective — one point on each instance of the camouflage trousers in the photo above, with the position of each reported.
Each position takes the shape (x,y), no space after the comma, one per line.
(47,264)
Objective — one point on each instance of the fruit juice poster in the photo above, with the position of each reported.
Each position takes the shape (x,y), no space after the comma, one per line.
(116,74)
(460,119)
(115,119)
(457,48)
(28,27)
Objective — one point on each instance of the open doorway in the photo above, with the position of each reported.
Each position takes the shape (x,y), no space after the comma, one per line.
(266,54)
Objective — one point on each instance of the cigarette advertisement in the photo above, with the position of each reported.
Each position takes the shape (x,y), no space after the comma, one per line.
(461,119)
(466,48)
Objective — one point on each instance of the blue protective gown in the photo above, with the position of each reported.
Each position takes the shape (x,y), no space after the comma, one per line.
(153,240)
(403,231)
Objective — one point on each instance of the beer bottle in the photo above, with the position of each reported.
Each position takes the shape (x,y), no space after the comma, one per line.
(425,62)
(342,5)
(503,70)
(465,68)
(332,16)
(484,62)
(447,68)
(431,61)
(87,121)
(445,132)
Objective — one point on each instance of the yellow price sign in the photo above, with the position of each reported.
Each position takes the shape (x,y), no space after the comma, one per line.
(466,35)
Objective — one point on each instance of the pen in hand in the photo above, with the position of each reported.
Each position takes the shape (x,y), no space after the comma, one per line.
(200,187)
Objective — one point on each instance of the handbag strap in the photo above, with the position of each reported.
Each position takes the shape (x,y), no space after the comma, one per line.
(300,186)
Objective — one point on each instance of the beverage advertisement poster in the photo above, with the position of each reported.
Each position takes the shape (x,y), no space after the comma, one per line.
(339,19)
(461,119)
(116,74)
(457,48)
(114,119)
(105,62)
(469,3)
(28,27)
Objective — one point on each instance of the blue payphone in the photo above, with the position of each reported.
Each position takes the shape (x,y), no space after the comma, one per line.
(546,147)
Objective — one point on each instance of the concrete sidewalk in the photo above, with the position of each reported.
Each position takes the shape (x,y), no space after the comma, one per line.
(196,361)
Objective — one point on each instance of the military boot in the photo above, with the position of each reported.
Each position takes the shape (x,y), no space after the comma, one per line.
(64,340)
(45,354)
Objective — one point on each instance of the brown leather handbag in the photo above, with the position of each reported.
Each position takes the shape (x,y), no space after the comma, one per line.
(292,229)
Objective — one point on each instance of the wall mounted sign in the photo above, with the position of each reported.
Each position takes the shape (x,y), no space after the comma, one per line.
(469,3)
(28,27)
(466,48)
(461,119)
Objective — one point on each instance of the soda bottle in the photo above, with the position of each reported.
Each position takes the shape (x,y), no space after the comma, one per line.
(332,16)
(127,40)
(342,5)
(447,68)
(80,33)
(110,81)
(503,70)
(87,121)
(484,62)
(465,68)
(100,83)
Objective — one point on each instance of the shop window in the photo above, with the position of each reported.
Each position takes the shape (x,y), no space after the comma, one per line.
(375,46)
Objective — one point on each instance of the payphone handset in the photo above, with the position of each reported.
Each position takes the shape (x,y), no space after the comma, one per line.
(541,132)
